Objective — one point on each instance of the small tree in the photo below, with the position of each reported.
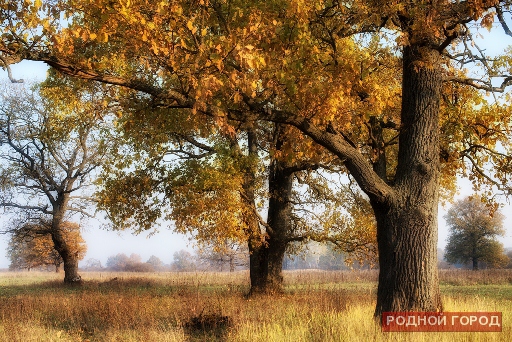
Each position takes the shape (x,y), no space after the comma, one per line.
(226,256)
(183,261)
(31,246)
(118,262)
(32,252)
(133,263)
(155,263)
(93,265)
(509,256)
(473,232)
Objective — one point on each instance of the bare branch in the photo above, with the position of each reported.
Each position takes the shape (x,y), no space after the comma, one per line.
(42,209)
(9,72)
(482,85)
(501,18)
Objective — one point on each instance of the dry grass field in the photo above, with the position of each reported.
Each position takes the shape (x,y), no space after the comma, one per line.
(316,306)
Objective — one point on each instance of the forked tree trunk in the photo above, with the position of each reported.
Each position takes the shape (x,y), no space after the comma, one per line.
(407,222)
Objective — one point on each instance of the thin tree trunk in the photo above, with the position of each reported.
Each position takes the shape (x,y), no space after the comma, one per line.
(256,241)
(407,222)
(231,263)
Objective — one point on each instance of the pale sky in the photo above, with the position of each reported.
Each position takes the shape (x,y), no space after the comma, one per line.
(102,243)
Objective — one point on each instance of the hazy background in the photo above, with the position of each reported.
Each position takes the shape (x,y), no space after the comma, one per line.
(102,243)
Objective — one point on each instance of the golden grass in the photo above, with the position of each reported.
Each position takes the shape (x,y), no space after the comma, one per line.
(317,306)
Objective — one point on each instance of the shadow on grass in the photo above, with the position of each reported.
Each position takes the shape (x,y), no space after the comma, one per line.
(208,327)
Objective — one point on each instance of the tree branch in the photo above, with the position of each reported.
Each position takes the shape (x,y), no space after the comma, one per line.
(501,18)
(355,162)
(479,84)
(482,173)
(44,209)
(9,72)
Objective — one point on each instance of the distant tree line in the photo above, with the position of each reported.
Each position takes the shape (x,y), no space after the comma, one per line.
(183,261)
(235,258)
(314,256)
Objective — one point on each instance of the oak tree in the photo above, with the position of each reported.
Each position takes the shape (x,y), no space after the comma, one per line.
(216,188)
(49,153)
(473,232)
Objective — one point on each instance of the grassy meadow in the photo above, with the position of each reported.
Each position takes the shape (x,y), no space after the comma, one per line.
(316,306)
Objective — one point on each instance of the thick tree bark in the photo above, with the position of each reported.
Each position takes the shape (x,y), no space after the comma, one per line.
(406,211)
(407,220)
(265,267)
(70,259)
(406,207)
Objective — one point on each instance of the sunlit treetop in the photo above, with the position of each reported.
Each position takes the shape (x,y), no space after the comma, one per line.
(336,65)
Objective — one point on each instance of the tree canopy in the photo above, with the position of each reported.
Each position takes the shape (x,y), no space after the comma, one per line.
(393,90)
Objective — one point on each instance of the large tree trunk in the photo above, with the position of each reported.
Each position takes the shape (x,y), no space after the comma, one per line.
(71,275)
(266,258)
(265,267)
(69,258)
(407,222)
(407,240)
